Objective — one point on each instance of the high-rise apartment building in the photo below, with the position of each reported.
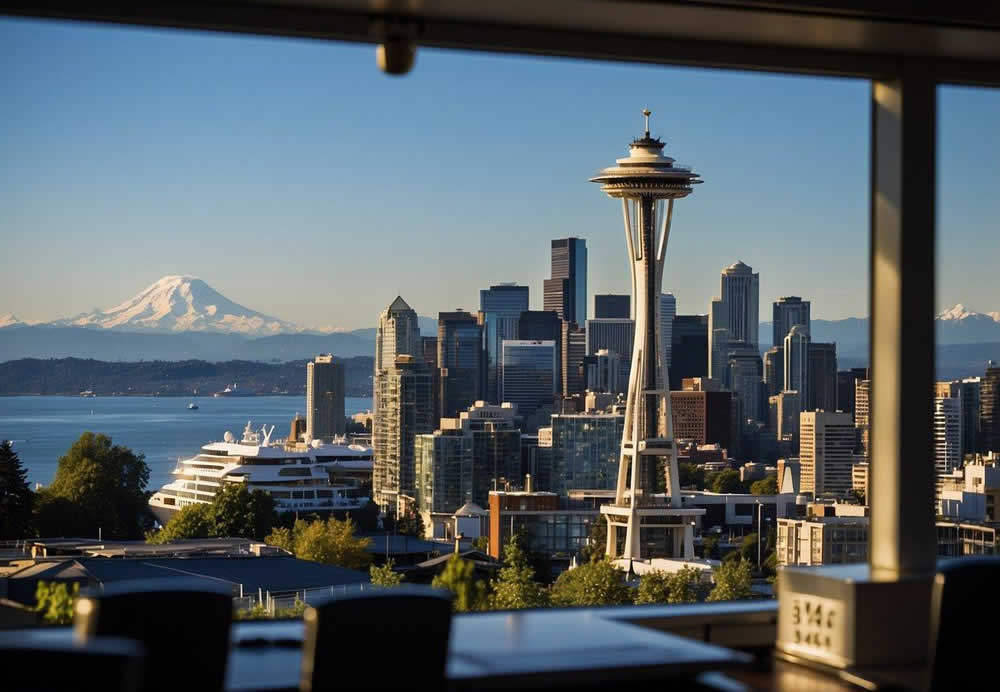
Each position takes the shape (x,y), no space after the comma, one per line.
(612,334)
(689,350)
(862,414)
(989,409)
(668,312)
(566,292)
(734,317)
(774,369)
(466,458)
(528,374)
(612,305)
(822,377)
(796,351)
(404,411)
(788,312)
(746,380)
(705,417)
(574,350)
(604,372)
(947,434)
(501,307)
(585,450)
(826,452)
(324,399)
(783,419)
(970,392)
(460,362)
(846,383)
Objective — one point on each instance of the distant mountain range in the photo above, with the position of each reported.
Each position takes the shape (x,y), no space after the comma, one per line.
(179,318)
(182,317)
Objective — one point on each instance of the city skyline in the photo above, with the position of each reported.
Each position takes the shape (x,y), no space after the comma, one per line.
(216,171)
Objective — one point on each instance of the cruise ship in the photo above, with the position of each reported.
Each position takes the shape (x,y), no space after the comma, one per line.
(297,475)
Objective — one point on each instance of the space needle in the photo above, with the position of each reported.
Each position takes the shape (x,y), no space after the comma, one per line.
(647,182)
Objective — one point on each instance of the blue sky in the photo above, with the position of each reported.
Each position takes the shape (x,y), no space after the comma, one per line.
(299,181)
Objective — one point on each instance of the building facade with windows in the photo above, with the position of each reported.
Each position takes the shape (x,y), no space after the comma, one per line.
(501,306)
(826,452)
(528,375)
(324,399)
(585,449)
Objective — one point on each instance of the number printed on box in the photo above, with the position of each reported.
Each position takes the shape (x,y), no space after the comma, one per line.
(813,621)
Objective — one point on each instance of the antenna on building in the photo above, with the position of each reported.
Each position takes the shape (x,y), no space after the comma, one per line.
(646,112)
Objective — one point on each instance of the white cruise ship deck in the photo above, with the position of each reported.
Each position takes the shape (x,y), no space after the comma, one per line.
(296,475)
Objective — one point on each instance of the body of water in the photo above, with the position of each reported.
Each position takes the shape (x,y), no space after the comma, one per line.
(42,428)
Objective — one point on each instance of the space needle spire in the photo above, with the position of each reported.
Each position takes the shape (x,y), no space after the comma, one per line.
(646,181)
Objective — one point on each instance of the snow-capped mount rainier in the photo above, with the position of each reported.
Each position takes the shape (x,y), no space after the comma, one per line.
(183,304)
(961,325)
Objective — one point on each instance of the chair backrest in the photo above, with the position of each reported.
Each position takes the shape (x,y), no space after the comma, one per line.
(381,638)
(32,661)
(962,600)
(184,624)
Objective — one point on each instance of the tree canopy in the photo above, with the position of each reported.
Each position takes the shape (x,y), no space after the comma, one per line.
(591,584)
(329,541)
(16,499)
(104,483)
(766,486)
(192,521)
(515,586)
(385,576)
(657,586)
(727,482)
(732,581)
(459,577)
(235,511)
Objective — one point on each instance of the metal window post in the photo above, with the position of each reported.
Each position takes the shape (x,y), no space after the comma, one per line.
(904,136)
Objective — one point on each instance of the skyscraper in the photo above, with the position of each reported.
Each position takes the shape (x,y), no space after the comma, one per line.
(324,398)
(689,353)
(565,292)
(826,452)
(989,409)
(604,372)
(543,325)
(668,311)
(846,382)
(615,306)
(788,312)
(501,306)
(797,362)
(460,362)
(947,434)
(862,414)
(397,334)
(774,369)
(705,417)
(528,376)
(574,350)
(746,380)
(404,411)
(970,392)
(822,377)
(734,317)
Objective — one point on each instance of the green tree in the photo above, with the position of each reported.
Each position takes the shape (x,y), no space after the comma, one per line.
(732,581)
(55,601)
(459,577)
(597,541)
(385,575)
(710,547)
(690,476)
(766,486)
(16,499)
(727,482)
(410,524)
(329,541)
(107,485)
(591,584)
(515,586)
(748,548)
(482,544)
(658,586)
(239,512)
(192,521)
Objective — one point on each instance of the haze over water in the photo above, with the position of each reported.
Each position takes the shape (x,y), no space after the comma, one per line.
(42,428)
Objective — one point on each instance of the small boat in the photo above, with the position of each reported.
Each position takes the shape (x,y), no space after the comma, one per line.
(192,406)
